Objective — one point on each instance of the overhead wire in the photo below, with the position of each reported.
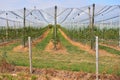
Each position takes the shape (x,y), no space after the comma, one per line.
(66,16)
(103,11)
(62,12)
(108,19)
(43,16)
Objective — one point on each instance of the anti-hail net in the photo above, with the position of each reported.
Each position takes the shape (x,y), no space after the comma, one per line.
(105,16)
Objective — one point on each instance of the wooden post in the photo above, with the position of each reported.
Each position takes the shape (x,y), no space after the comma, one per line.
(24,27)
(30,54)
(55,29)
(97,53)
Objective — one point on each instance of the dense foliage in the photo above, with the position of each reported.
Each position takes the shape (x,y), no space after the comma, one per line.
(83,34)
(19,33)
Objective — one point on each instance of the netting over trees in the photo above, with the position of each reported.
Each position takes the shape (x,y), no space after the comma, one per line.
(105,19)
(104,15)
(68,34)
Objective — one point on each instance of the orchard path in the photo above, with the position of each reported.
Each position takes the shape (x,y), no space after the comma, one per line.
(114,47)
(9,42)
(43,36)
(85,47)
(21,48)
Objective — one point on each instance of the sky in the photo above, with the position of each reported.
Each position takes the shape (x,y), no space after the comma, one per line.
(42,4)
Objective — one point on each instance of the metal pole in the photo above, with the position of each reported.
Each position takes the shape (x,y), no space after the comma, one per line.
(119,26)
(55,29)
(102,29)
(90,26)
(97,57)
(30,54)
(7,26)
(24,27)
(89,17)
(111,23)
(15,29)
(92,30)
(19,25)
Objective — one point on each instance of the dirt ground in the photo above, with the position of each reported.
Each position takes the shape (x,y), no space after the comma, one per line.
(81,46)
(8,43)
(21,48)
(60,49)
(85,47)
(114,47)
(44,35)
(68,75)
(51,74)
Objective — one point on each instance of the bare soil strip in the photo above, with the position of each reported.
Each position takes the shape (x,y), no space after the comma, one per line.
(116,48)
(80,45)
(9,42)
(85,47)
(60,49)
(43,36)
(21,48)
(17,40)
